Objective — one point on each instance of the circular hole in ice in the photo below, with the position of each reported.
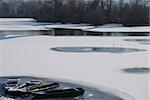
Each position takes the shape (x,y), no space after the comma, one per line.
(137,70)
(96,49)
(138,40)
(73,49)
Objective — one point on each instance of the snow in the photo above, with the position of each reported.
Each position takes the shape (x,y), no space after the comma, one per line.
(70,26)
(17,20)
(102,28)
(77,27)
(4,98)
(21,27)
(7,24)
(120,29)
(32,56)
(31,24)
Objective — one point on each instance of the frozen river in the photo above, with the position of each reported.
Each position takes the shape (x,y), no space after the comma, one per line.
(100,70)
(32,56)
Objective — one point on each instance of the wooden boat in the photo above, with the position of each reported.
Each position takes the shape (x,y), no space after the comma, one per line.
(18,93)
(56,93)
(41,90)
(45,87)
(34,82)
(11,83)
(24,91)
(60,93)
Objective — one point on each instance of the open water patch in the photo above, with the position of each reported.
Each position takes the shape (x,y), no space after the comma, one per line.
(96,49)
(90,92)
(141,41)
(137,70)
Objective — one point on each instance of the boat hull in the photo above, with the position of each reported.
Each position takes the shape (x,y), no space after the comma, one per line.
(60,93)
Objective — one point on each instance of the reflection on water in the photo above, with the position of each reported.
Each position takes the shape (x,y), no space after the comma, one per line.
(90,93)
(96,49)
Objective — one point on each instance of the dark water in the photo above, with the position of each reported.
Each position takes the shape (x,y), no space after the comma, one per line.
(90,93)
(137,70)
(65,32)
(96,49)
(78,32)
(141,41)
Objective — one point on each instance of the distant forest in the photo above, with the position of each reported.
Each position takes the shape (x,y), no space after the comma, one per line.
(127,12)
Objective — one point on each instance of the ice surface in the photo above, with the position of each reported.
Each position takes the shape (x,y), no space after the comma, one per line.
(17,19)
(21,24)
(31,56)
(120,29)
(12,27)
(31,24)
(5,98)
(103,28)
(69,26)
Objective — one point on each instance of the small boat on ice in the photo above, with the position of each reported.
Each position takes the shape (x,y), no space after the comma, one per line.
(59,93)
(40,90)
(29,88)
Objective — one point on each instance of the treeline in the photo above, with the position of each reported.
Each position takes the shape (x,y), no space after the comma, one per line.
(127,12)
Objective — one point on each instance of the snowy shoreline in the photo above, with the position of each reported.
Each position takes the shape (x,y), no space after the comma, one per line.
(30,24)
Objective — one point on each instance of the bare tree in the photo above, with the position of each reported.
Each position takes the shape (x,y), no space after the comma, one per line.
(134,12)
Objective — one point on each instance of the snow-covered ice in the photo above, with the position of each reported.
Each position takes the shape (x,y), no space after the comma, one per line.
(76,27)
(7,24)
(4,98)
(17,20)
(22,27)
(31,24)
(101,28)
(69,26)
(120,29)
(32,56)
